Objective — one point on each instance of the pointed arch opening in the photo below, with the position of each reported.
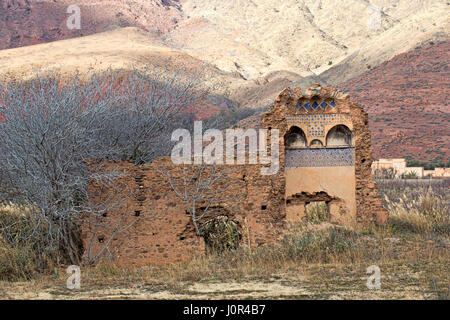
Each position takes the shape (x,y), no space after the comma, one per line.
(339,136)
(295,138)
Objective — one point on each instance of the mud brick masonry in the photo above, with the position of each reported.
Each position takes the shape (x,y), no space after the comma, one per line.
(325,155)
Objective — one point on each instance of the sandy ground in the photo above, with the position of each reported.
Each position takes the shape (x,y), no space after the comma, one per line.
(319,282)
(231,290)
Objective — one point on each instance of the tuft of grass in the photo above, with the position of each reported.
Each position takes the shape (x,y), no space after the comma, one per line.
(301,245)
(331,244)
(16,263)
(25,250)
(105,269)
(427,214)
(317,212)
(221,234)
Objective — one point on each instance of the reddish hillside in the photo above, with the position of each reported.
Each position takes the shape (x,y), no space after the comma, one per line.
(407,99)
(28,22)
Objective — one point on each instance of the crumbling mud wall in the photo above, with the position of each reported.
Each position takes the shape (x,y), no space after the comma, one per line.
(158,229)
(147,223)
(368,201)
(318,170)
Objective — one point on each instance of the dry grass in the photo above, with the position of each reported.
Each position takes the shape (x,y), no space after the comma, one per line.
(24,249)
(317,212)
(308,264)
(313,261)
(426,215)
(417,207)
(304,247)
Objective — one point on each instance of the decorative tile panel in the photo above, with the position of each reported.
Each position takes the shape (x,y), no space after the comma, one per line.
(314,106)
(315,123)
(320,157)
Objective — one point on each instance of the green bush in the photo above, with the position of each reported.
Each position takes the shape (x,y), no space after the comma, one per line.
(411,175)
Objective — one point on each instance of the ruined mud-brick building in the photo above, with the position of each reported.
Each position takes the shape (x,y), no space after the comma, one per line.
(325,155)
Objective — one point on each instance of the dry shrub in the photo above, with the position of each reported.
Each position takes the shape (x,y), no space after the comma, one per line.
(54,125)
(24,247)
(301,245)
(322,246)
(221,234)
(15,263)
(317,212)
(428,213)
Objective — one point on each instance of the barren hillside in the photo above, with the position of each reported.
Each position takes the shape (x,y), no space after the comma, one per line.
(251,38)
(28,22)
(126,48)
(307,36)
(407,99)
(251,50)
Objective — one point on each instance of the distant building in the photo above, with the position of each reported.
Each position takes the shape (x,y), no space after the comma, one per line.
(441,172)
(399,169)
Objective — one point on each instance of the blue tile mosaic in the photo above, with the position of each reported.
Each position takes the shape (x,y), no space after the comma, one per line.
(320,157)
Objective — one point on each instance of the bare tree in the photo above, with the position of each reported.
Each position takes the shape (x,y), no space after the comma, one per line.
(151,105)
(46,139)
(51,128)
(202,188)
(194,187)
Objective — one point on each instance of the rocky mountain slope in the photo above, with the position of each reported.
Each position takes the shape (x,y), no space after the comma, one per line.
(408,101)
(28,22)
(250,50)
(252,38)
(307,37)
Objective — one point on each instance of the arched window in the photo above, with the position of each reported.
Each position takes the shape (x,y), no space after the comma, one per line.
(339,135)
(316,143)
(294,138)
